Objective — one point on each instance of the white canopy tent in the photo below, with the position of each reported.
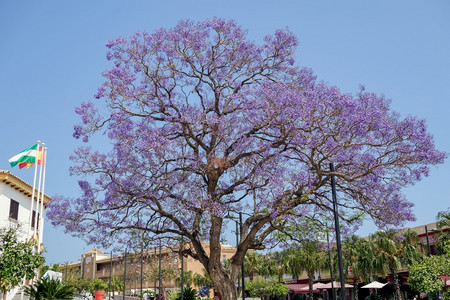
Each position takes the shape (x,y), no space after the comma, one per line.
(374,285)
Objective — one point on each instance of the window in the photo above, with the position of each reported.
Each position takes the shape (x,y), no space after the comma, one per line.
(33,220)
(14,210)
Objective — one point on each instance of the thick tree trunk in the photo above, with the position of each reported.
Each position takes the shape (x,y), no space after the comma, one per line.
(224,285)
(398,293)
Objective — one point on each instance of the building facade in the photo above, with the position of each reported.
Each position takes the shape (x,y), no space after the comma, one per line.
(15,208)
(96,264)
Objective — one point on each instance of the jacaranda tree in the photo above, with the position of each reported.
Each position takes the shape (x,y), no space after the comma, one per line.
(205,123)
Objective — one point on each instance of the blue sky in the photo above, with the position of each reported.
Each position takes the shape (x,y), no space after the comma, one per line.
(52,55)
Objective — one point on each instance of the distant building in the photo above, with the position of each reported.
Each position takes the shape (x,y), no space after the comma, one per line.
(95,264)
(15,207)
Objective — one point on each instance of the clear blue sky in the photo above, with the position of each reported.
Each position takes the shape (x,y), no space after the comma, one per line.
(52,55)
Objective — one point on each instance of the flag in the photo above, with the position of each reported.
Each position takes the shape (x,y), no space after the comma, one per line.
(25,158)
(29,164)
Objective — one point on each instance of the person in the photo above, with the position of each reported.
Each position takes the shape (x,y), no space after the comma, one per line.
(145,296)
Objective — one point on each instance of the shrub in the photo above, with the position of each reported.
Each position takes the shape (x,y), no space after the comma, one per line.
(49,289)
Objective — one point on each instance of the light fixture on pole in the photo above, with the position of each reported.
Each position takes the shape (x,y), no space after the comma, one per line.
(182,268)
(338,233)
(337,228)
(333,296)
(242,266)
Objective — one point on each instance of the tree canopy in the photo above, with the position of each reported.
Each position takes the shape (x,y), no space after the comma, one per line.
(18,260)
(205,123)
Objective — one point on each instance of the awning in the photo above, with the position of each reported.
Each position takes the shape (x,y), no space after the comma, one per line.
(336,285)
(297,287)
(374,285)
(316,286)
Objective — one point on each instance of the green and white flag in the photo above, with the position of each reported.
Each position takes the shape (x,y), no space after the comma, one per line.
(25,158)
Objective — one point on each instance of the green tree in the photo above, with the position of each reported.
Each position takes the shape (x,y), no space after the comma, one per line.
(117,283)
(202,280)
(188,279)
(394,250)
(265,289)
(98,285)
(309,257)
(18,260)
(424,274)
(49,289)
(275,265)
(253,264)
(443,225)
(359,254)
(79,284)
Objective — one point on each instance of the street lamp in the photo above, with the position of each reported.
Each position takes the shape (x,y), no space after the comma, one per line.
(242,266)
(338,232)
(331,267)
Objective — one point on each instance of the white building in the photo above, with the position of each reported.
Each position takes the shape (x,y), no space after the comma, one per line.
(15,206)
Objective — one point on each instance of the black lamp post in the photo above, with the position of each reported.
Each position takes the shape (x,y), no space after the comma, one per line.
(182,269)
(338,232)
(242,266)
(331,268)
(124,274)
(159,273)
(237,244)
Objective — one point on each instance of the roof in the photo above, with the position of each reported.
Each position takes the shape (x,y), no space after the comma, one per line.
(19,184)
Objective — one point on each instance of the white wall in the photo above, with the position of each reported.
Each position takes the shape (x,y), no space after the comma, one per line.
(6,194)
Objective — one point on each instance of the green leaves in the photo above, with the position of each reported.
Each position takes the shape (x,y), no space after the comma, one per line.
(17,259)
(49,289)
(424,275)
(262,288)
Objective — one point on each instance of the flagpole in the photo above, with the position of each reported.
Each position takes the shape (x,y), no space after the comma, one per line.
(38,200)
(32,193)
(41,218)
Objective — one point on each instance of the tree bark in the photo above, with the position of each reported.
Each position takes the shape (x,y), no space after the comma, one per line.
(224,285)
(398,293)
(355,284)
(310,283)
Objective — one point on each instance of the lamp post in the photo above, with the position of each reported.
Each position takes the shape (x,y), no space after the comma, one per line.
(338,232)
(110,274)
(242,266)
(124,274)
(159,273)
(237,244)
(182,269)
(331,267)
(142,266)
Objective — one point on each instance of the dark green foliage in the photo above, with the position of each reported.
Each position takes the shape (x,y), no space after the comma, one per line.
(98,285)
(48,289)
(17,259)
(188,294)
